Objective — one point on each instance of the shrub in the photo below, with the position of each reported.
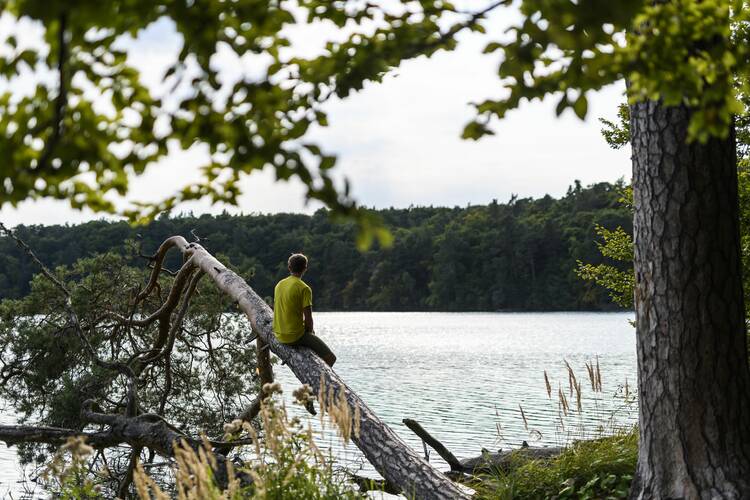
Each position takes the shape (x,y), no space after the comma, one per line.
(601,468)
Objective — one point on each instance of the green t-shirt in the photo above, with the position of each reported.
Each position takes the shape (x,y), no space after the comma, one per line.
(290,297)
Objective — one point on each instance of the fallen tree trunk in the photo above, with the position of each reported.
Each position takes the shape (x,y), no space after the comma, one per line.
(390,456)
(143,431)
(152,431)
(56,436)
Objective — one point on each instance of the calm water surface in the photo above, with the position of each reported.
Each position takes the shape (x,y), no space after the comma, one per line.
(463,376)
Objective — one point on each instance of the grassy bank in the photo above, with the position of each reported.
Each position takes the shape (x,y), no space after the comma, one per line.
(601,468)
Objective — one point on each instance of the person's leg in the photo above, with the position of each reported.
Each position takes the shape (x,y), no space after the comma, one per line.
(318,346)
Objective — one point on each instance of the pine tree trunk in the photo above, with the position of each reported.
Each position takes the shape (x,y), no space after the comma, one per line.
(694,382)
(391,457)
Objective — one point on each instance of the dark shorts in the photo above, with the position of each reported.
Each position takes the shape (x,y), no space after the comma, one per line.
(315,343)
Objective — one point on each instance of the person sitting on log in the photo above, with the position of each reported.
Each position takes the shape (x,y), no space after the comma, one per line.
(292,311)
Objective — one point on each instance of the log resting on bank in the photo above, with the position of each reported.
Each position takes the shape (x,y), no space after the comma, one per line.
(502,460)
(487,461)
(390,456)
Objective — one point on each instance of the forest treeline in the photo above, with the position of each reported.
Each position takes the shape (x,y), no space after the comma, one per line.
(519,256)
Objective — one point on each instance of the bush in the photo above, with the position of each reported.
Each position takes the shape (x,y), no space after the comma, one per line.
(601,468)
(285,464)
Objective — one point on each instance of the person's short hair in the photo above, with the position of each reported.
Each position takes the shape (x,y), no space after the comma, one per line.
(297,262)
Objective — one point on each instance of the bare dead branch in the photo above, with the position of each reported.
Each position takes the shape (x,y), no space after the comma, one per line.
(164,343)
(436,445)
(122,488)
(157,260)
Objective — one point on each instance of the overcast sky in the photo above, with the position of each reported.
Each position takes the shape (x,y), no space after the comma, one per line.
(398,141)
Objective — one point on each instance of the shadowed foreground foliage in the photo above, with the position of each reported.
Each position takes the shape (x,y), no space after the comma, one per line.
(602,468)
(126,354)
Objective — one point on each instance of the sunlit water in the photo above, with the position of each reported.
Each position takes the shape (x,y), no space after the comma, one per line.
(464,376)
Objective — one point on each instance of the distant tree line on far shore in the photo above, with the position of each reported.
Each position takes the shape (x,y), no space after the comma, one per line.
(517,256)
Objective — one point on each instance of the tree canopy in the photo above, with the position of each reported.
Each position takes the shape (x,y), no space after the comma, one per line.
(90,123)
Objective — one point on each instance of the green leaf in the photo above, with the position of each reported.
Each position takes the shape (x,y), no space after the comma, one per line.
(327,162)
(492,47)
(475,130)
(581,107)
(561,105)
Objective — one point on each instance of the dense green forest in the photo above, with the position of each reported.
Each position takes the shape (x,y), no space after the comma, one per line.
(519,255)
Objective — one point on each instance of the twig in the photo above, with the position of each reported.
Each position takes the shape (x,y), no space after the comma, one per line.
(122,489)
(61,100)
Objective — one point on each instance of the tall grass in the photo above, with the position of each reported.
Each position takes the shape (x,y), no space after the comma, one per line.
(581,407)
(67,475)
(599,455)
(595,469)
(284,463)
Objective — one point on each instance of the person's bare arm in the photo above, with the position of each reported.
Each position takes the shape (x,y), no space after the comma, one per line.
(307,314)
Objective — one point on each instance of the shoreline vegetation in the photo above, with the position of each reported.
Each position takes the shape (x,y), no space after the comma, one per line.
(286,463)
(511,257)
(398,464)
(522,245)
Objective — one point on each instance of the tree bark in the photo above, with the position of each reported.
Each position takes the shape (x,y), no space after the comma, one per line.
(390,456)
(694,382)
(265,373)
(143,431)
(16,434)
(263,357)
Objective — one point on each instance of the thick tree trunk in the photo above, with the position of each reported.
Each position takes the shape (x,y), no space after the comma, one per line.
(397,463)
(694,383)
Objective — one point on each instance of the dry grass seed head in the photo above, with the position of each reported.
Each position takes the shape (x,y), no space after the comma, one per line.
(563,400)
(339,411)
(592,376)
(571,378)
(145,487)
(59,466)
(303,394)
(523,416)
(232,428)
(336,406)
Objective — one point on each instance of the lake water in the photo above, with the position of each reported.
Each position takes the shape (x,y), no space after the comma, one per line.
(465,376)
